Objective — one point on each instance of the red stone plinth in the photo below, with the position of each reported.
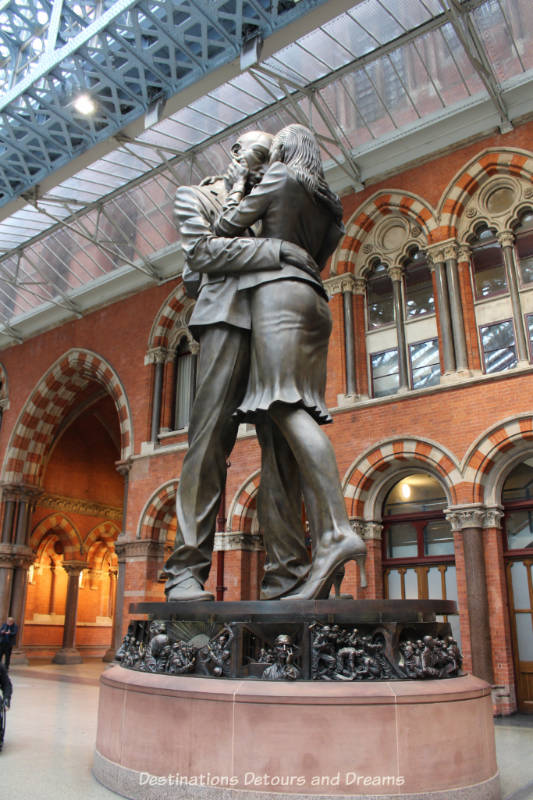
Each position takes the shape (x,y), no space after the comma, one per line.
(185,737)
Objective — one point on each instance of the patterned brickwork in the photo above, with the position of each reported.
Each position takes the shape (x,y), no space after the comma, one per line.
(167,317)
(70,538)
(159,513)
(242,510)
(47,406)
(488,451)
(379,206)
(103,532)
(378,463)
(517,163)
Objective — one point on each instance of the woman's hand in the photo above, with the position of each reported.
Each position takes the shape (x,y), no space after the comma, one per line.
(236,176)
(298,257)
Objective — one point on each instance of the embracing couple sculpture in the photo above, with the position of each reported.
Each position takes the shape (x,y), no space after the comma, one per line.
(263,324)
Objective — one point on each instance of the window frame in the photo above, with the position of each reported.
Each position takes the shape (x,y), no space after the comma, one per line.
(482,350)
(419,519)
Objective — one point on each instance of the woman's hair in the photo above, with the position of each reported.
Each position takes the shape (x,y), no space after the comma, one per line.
(300,151)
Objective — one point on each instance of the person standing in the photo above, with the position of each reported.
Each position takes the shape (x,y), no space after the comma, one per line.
(8,637)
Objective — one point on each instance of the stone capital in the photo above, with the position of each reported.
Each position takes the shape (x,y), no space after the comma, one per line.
(16,555)
(395,273)
(506,238)
(473,516)
(21,491)
(138,549)
(74,567)
(450,251)
(367,529)
(463,252)
(339,284)
(157,355)
(359,285)
(124,467)
(238,540)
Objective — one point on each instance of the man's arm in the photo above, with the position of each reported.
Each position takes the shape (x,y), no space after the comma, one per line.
(219,255)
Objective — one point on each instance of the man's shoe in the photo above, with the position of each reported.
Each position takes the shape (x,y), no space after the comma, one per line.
(187,589)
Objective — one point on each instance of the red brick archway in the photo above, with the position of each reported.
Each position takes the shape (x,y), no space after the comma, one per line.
(44,411)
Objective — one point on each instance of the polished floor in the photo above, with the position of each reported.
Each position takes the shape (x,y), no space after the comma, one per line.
(51,730)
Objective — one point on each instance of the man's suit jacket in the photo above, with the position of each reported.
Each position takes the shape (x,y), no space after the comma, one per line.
(220,260)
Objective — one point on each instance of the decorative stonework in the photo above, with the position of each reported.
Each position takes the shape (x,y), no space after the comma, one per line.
(249,542)
(74,506)
(157,355)
(367,530)
(396,273)
(140,548)
(474,516)
(15,555)
(506,238)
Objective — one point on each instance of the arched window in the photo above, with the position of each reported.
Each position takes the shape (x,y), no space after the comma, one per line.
(517,498)
(380,304)
(418,549)
(184,383)
(419,297)
(524,248)
(487,263)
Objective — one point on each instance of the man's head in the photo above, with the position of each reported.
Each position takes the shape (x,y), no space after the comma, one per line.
(10,620)
(253,150)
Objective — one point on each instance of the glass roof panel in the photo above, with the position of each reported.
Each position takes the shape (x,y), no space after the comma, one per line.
(497,36)
(364,101)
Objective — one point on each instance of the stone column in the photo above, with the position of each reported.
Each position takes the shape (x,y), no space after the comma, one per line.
(361,356)
(68,654)
(9,519)
(371,532)
(349,339)
(7,566)
(438,267)
(396,275)
(158,358)
(506,240)
(118,616)
(23,559)
(470,521)
(456,309)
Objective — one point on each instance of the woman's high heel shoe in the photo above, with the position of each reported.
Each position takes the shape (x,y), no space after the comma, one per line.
(326,567)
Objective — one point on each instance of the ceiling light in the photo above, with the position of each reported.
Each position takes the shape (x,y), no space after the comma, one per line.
(85,104)
(406,491)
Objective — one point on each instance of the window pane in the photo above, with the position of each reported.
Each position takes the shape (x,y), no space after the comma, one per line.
(524,634)
(385,373)
(524,249)
(413,494)
(519,483)
(394,585)
(519,579)
(519,527)
(425,363)
(185,386)
(402,541)
(438,538)
(499,347)
(411,584)
(434,584)
(379,298)
(488,266)
(419,298)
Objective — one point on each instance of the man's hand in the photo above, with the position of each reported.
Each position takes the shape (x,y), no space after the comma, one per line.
(236,176)
(298,257)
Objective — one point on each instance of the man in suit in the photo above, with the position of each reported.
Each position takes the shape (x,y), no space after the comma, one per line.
(221,322)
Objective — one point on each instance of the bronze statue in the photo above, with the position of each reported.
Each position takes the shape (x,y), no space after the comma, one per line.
(291,325)
(221,322)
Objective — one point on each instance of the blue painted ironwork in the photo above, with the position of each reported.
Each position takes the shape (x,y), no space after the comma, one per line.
(126,54)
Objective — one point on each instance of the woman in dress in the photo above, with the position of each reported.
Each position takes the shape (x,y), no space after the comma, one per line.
(291,325)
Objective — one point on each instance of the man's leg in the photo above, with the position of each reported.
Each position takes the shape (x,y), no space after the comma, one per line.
(279,508)
(222,374)
(8,657)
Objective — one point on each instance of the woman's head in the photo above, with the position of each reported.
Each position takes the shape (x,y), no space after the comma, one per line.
(297,147)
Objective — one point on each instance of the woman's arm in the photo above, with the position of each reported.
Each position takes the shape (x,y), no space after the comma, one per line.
(235,219)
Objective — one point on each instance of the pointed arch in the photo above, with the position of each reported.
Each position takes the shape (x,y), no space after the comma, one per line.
(243,508)
(490,162)
(170,320)
(38,421)
(380,464)
(159,512)
(104,531)
(355,248)
(66,531)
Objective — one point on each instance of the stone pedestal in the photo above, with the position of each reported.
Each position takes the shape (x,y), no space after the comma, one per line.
(167,736)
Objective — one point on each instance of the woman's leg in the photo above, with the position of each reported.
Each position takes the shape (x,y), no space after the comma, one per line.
(313,451)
